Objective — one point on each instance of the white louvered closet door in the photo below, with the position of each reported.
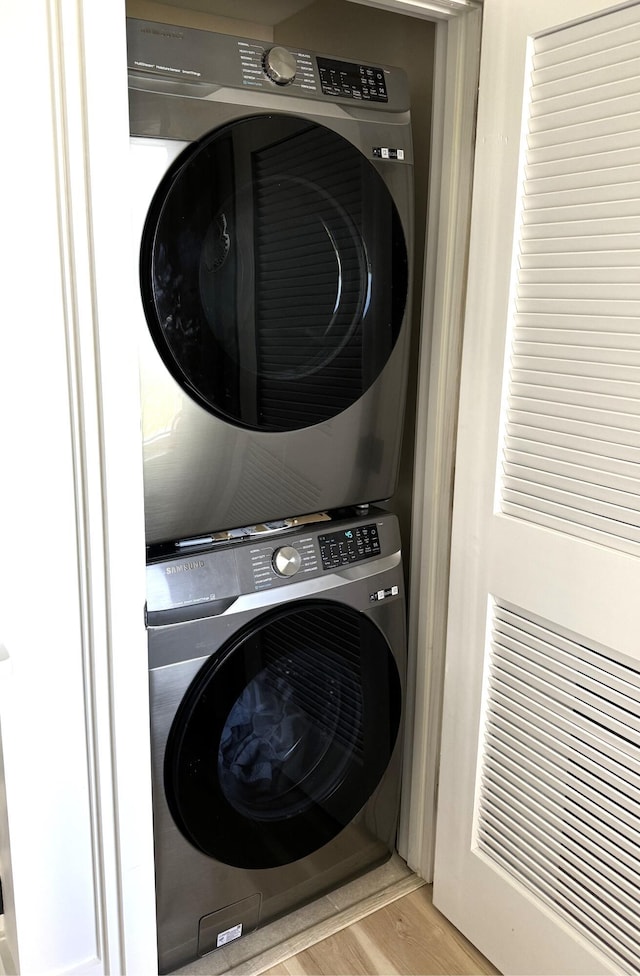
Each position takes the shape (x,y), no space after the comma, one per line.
(538,838)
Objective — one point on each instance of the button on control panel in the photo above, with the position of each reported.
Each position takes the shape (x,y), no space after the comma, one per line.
(286,561)
(280,65)
(384,594)
(272,565)
(262,67)
(348,546)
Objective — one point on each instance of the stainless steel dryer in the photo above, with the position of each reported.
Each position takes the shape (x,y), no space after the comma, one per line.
(272,197)
(276,679)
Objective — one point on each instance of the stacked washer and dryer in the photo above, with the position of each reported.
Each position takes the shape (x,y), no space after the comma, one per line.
(272,200)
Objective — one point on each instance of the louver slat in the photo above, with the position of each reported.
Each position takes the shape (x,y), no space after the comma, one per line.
(563,774)
(552,352)
(627,674)
(578,172)
(600,829)
(600,109)
(550,83)
(608,381)
(572,430)
(573,464)
(589,451)
(561,665)
(536,423)
(575,904)
(590,411)
(559,792)
(582,881)
(600,501)
(589,39)
(538,825)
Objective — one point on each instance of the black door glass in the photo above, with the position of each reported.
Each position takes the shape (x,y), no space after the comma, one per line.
(283,735)
(274,272)
(282,745)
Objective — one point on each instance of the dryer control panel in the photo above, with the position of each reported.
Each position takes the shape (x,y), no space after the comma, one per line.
(198,63)
(349,80)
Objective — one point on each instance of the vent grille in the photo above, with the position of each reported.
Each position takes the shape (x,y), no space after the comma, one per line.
(572,431)
(559,805)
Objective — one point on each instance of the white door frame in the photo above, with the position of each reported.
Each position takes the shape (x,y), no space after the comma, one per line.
(82,117)
(457,60)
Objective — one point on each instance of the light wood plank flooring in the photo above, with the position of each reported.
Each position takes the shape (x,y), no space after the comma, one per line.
(409,937)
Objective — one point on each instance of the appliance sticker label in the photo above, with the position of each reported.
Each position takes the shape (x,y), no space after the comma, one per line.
(171,69)
(229,935)
(383,152)
(383,594)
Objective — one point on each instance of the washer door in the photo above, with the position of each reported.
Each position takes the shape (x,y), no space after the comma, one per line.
(283,735)
(274,273)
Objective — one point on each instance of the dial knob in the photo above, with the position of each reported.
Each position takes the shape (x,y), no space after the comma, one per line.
(286,561)
(280,65)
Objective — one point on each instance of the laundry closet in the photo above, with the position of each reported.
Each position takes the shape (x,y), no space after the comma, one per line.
(89,686)
(98,588)
(542,577)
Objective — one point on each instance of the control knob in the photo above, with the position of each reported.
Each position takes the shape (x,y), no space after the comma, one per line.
(286,561)
(280,65)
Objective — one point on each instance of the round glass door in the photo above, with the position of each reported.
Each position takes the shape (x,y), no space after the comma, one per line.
(283,735)
(274,272)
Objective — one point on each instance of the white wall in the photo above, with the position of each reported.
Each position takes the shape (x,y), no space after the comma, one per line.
(183,16)
(71,539)
(42,712)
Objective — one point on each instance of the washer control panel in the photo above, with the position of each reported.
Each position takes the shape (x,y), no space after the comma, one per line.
(209,579)
(348,545)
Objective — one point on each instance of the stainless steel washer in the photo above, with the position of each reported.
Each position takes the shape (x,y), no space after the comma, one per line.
(272,198)
(276,677)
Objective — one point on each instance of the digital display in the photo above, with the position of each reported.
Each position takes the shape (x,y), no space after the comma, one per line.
(347,80)
(348,546)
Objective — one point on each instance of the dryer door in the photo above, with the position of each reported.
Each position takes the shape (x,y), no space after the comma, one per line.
(283,735)
(274,272)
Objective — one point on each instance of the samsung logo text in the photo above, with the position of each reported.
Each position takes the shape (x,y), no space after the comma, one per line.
(185,567)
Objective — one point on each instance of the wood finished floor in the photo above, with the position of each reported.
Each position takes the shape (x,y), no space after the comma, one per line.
(409,937)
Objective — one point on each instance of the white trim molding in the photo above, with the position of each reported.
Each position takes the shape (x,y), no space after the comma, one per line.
(426,9)
(76,853)
(111,484)
(454,98)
